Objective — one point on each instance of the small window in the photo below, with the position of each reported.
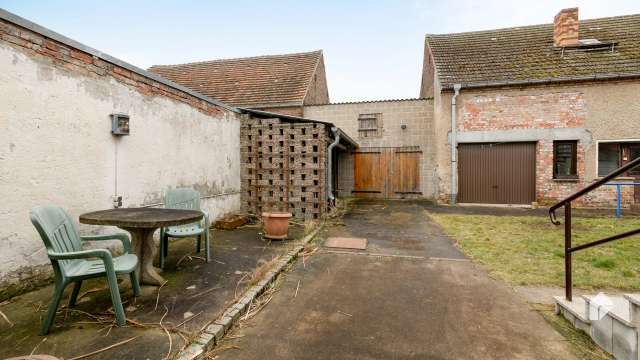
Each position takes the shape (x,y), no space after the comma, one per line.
(369,125)
(565,159)
(612,155)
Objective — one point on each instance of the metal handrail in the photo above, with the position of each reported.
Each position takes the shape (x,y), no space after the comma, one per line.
(568,249)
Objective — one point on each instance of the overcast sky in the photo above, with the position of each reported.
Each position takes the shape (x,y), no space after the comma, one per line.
(372,49)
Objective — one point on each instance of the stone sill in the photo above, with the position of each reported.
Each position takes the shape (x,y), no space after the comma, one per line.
(574,180)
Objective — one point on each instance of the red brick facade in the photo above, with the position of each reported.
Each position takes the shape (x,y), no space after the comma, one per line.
(86,64)
(550,110)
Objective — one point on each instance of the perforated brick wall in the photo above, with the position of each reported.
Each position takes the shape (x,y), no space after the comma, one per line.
(283,167)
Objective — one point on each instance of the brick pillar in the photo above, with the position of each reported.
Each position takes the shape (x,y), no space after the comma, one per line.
(565,27)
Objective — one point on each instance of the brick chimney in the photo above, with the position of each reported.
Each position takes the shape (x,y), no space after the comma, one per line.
(565,27)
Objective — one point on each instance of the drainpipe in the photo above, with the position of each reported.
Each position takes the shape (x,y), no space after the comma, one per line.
(336,135)
(454,145)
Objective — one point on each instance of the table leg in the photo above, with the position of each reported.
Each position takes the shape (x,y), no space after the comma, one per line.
(145,249)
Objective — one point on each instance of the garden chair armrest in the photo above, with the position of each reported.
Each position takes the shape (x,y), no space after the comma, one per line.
(124,238)
(103,254)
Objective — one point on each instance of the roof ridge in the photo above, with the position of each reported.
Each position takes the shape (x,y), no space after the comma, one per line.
(240,58)
(529,26)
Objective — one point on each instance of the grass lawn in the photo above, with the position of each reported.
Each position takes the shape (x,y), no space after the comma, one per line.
(528,250)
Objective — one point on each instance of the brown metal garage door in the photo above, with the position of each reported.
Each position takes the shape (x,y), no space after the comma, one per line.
(387,172)
(499,173)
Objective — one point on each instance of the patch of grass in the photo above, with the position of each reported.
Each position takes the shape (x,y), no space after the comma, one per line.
(529,250)
(581,343)
(603,263)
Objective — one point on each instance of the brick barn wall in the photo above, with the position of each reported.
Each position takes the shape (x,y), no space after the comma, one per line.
(601,111)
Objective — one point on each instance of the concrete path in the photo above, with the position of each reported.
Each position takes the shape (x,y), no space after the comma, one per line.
(410,295)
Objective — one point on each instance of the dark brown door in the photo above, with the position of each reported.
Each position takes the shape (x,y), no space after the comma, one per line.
(386,172)
(498,173)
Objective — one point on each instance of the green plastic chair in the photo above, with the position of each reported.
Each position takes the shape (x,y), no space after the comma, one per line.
(184,198)
(72,264)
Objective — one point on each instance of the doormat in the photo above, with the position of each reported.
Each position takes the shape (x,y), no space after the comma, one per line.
(346,243)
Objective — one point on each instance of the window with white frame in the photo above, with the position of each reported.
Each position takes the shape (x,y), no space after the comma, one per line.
(369,125)
(612,155)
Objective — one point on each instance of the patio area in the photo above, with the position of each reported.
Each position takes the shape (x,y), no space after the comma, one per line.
(195,294)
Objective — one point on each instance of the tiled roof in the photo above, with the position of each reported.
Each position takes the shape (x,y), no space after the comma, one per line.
(521,54)
(253,81)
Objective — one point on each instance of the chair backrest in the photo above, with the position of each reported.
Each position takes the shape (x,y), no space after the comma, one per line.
(182,198)
(56,230)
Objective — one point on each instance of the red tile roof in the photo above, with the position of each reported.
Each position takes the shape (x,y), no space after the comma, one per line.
(259,81)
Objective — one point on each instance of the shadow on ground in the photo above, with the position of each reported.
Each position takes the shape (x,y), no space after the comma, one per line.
(193,287)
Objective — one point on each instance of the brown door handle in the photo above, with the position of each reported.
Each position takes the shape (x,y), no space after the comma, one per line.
(494,186)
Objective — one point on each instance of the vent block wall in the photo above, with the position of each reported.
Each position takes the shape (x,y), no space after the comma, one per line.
(284,167)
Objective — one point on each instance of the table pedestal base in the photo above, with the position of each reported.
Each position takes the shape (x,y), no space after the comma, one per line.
(145,248)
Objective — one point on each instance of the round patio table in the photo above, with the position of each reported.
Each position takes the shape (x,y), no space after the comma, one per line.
(141,223)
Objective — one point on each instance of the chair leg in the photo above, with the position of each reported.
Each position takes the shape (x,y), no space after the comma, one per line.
(206,245)
(115,298)
(198,243)
(53,307)
(164,244)
(74,293)
(135,284)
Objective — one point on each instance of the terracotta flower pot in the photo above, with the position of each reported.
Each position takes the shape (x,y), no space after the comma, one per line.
(276,224)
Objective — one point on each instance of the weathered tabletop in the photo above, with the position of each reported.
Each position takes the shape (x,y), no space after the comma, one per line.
(141,223)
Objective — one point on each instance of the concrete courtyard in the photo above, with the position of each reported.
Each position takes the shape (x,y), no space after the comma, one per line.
(410,295)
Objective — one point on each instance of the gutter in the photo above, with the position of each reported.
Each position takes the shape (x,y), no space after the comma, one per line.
(454,145)
(596,77)
(336,133)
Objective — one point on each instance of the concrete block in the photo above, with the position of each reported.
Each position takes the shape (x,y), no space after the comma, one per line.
(206,340)
(602,333)
(216,330)
(625,341)
(233,313)
(225,321)
(192,352)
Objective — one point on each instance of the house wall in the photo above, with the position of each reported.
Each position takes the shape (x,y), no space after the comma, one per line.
(428,73)
(56,146)
(417,114)
(318,92)
(587,112)
(284,110)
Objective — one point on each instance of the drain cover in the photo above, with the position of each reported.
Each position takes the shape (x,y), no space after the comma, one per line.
(346,243)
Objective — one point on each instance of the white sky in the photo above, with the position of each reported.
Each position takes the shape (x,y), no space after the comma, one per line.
(373,49)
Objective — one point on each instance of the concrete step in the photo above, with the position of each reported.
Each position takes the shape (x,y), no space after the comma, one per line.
(610,320)
(634,308)
(574,311)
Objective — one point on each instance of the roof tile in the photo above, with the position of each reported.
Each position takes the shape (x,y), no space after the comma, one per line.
(252,81)
(527,53)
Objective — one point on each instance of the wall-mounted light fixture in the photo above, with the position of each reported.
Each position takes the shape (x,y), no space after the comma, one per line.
(119,124)
(403,126)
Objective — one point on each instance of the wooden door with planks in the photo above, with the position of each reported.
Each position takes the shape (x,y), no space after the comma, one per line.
(387,172)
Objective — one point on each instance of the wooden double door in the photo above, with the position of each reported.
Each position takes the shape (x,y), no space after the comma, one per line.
(387,172)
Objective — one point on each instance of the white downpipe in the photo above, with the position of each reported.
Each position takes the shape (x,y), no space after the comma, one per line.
(454,145)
